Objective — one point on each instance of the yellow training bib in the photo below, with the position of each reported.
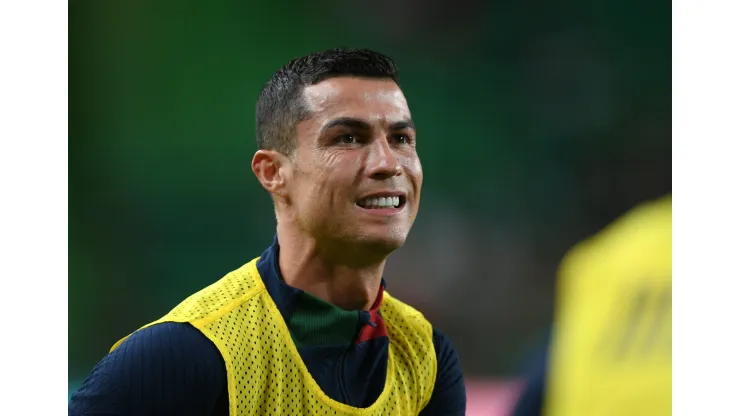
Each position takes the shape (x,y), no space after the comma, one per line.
(611,351)
(266,375)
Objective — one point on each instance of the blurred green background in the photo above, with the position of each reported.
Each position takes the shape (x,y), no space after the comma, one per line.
(539,122)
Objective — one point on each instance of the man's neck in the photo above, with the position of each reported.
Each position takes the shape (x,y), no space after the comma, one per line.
(304,266)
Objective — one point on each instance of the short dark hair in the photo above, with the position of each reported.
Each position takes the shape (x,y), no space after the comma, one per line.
(280,106)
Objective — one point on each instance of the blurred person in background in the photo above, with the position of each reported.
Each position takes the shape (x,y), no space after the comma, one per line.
(307,327)
(610,349)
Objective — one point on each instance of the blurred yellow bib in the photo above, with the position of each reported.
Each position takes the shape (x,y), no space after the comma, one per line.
(611,350)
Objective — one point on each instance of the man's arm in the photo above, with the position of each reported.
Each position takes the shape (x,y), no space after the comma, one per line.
(165,369)
(448,398)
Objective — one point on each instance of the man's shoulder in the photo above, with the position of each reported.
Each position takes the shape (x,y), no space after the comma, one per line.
(393,305)
(212,301)
(403,320)
(170,344)
(414,321)
(238,285)
(165,336)
(130,379)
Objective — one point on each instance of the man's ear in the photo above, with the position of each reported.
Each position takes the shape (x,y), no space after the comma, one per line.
(272,170)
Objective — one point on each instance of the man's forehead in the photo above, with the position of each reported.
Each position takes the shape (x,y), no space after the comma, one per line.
(346,93)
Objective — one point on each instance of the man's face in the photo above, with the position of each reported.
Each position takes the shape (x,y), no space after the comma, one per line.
(356,176)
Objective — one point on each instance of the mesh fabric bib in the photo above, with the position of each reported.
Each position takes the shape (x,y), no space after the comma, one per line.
(266,375)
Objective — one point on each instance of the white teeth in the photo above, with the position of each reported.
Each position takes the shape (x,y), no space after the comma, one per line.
(380,202)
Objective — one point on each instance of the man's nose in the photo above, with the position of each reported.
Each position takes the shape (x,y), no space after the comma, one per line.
(383,162)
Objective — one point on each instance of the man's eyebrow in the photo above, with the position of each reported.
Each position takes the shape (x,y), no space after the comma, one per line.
(403,124)
(359,124)
(346,122)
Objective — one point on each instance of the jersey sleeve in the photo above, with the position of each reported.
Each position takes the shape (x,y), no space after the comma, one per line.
(169,368)
(448,397)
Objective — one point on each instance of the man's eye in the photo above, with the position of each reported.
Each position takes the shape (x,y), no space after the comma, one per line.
(402,139)
(347,139)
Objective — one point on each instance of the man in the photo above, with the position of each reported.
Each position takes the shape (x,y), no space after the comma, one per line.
(611,345)
(306,328)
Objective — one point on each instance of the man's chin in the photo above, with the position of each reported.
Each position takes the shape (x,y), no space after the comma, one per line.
(369,247)
(383,242)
